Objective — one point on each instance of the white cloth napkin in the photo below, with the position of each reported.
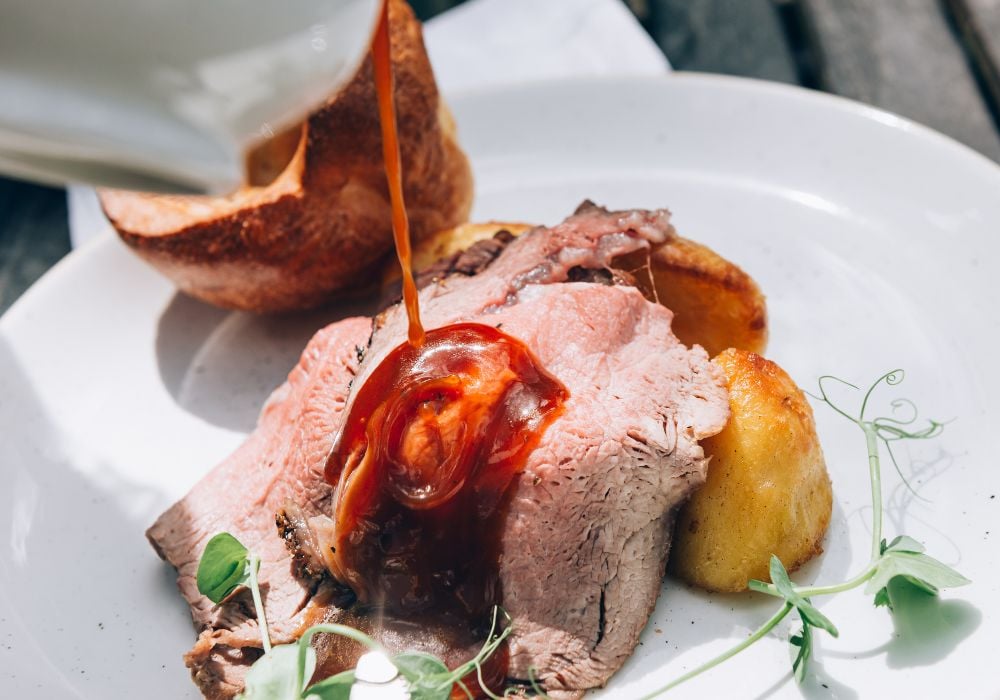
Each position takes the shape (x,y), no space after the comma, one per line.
(493,42)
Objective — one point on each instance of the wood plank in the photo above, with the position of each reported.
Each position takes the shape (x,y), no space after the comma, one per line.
(425,9)
(901,55)
(979,23)
(34,235)
(737,37)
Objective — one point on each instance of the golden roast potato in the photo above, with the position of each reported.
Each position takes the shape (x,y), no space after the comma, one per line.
(313,220)
(715,303)
(767,490)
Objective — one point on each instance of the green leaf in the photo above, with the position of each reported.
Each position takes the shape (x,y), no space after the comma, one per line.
(904,558)
(336,687)
(802,640)
(275,676)
(428,676)
(415,664)
(810,616)
(807,611)
(903,544)
(779,575)
(431,688)
(814,617)
(222,568)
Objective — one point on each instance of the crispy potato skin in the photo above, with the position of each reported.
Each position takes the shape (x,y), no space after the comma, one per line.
(767,491)
(715,303)
(314,220)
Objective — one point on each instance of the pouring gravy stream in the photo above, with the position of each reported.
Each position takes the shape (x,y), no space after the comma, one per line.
(433,441)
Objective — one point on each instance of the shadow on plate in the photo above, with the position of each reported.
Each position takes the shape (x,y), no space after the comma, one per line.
(88,609)
(221,365)
(687,618)
(928,628)
(820,685)
(911,505)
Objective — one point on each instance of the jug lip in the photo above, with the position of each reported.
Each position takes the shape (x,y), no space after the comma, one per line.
(168,124)
(212,167)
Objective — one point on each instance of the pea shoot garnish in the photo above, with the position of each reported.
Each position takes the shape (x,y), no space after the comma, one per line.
(902,561)
(225,566)
(284,671)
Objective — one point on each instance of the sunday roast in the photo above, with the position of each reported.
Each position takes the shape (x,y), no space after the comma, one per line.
(585,527)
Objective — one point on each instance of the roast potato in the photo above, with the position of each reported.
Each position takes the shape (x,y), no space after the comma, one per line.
(715,303)
(767,490)
(313,220)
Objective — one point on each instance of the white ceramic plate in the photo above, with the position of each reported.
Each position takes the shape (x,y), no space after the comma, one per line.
(875,240)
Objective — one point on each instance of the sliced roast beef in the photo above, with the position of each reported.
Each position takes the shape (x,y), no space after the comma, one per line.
(587,529)
(282,461)
(470,261)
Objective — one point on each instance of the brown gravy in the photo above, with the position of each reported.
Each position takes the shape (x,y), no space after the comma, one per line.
(432,442)
(382,66)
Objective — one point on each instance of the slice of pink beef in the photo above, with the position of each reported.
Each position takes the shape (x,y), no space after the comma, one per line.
(588,529)
(281,461)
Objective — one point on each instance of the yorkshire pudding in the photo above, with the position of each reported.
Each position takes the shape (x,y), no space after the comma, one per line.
(313,219)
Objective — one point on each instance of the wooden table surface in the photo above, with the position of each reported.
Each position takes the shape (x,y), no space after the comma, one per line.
(934,61)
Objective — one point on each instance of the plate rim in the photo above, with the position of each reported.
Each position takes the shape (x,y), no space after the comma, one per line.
(848,107)
(746,84)
(98,251)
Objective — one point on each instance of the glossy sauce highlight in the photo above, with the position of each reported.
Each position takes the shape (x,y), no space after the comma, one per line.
(432,442)
(382,66)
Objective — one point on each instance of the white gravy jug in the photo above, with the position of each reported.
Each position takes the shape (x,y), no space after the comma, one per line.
(165,95)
